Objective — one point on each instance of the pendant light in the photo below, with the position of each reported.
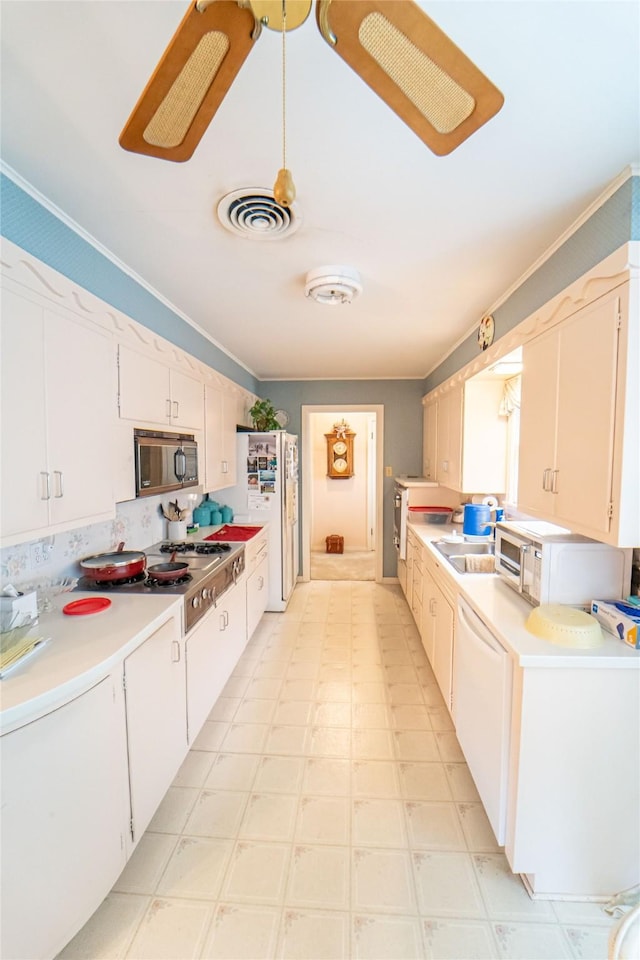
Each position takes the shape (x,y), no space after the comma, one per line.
(284,190)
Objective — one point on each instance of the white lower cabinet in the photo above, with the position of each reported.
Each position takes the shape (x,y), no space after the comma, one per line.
(437,627)
(257,592)
(213,648)
(154,685)
(64,809)
(572,824)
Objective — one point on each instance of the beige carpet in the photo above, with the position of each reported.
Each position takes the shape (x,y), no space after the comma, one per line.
(352,565)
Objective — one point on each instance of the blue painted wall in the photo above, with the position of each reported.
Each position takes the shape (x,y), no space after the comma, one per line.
(402,400)
(616,222)
(34,228)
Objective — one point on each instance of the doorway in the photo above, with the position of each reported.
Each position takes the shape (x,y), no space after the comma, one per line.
(353,506)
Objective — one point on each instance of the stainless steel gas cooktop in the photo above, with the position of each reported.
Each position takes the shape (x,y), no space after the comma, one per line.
(212,568)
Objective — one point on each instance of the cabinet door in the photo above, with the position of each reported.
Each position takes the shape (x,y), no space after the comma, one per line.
(23,450)
(81,419)
(187,401)
(212,651)
(257,593)
(429,440)
(64,816)
(586,414)
(213,437)
(230,418)
(443,644)
(144,389)
(540,361)
(449,439)
(156,720)
(428,631)
(221,408)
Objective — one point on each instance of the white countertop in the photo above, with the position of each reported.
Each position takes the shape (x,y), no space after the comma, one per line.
(505,613)
(81,651)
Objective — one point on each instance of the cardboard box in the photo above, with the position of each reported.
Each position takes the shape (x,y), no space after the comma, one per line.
(625,626)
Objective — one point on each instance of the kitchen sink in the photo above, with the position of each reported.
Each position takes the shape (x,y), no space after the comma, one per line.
(457,554)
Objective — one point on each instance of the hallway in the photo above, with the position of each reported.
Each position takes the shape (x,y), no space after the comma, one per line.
(350,565)
(325,811)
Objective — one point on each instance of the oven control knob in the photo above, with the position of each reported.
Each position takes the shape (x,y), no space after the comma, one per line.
(206,593)
(195,602)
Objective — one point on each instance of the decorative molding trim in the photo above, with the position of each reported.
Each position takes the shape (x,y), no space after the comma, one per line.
(633,170)
(71,224)
(612,272)
(44,282)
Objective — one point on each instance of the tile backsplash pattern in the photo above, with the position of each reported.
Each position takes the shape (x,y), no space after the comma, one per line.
(138,523)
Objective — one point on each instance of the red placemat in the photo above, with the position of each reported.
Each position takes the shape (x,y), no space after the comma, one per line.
(234,533)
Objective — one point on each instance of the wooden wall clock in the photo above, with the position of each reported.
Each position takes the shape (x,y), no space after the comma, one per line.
(340,454)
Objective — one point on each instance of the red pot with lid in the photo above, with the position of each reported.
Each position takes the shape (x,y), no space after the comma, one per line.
(118,565)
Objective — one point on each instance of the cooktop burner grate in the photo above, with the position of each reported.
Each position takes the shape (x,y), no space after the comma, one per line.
(89,583)
(154,582)
(206,548)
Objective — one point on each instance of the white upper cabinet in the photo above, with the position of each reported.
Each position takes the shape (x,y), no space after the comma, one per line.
(58,418)
(430,440)
(465,437)
(152,392)
(224,409)
(579,450)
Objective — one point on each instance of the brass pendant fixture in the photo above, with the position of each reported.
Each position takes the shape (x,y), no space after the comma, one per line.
(284,190)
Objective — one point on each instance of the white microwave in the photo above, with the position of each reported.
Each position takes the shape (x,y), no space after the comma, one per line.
(548,564)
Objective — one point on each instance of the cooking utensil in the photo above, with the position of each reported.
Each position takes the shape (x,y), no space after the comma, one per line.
(118,565)
(168,571)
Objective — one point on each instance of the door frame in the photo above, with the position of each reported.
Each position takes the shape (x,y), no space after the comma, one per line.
(306,455)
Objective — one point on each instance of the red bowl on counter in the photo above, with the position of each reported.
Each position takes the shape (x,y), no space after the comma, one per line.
(432,514)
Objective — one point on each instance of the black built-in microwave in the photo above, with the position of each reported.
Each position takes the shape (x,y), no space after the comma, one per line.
(164,462)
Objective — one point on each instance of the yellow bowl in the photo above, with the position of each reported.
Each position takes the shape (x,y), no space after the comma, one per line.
(564,626)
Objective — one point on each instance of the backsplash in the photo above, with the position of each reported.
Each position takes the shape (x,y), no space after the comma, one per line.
(138,523)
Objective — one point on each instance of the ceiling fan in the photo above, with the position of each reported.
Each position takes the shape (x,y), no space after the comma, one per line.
(392,44)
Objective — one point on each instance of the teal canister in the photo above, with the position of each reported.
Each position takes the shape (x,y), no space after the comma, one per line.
(216,518)
(227,514)
(202,515)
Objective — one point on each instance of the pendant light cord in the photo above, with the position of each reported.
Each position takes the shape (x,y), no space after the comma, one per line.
(284,84)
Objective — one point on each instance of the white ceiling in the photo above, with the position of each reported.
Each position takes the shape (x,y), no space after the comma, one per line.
(437,240)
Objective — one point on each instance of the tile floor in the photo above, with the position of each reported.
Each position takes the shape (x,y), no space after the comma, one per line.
(325,811)
(350,565)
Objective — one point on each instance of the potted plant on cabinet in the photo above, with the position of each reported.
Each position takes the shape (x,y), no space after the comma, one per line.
(263,414)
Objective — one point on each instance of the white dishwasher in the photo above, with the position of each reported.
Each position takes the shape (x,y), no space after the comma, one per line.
(482,682)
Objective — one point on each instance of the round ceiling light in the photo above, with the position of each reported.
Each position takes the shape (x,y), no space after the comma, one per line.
(333,284)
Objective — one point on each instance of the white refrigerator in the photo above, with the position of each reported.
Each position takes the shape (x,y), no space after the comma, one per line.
(267,491)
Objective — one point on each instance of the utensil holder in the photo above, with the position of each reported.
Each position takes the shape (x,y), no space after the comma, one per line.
(176,529)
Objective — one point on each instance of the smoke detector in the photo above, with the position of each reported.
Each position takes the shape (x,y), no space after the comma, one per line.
(253,213)
(333,284)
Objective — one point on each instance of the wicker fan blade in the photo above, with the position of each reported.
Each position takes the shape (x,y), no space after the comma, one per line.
(190,82)
(413,66)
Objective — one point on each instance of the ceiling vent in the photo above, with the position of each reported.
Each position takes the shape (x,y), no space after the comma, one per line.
(333,284)
(253,213)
